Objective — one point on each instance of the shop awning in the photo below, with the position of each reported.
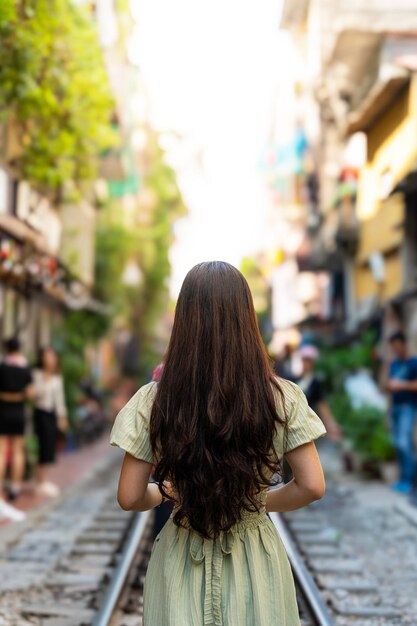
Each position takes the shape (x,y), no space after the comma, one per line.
(379,97)
(22,231)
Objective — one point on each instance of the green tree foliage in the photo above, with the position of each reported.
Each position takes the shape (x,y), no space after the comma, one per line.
(365,427)
(146,241)
(79,329)
(154,251)
(338,362)
(54,93)
(261,293)
(115,244)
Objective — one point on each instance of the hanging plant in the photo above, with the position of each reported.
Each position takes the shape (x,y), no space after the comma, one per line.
(55,96)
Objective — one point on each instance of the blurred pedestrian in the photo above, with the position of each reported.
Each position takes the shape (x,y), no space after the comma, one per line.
(283,362)
(216,427)
(402,385)
(15,389)
(312,386)
(49,416)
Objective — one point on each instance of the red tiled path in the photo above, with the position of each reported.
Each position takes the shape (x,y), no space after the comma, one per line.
(69,469)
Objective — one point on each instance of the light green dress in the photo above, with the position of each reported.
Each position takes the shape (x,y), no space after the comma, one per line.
(242,578)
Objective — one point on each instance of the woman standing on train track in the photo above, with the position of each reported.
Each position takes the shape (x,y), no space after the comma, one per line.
(216,427)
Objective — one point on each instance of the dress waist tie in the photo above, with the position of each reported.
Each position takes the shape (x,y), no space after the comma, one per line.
(209,553)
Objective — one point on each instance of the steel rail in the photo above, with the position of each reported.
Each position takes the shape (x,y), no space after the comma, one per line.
(121,572)
(303,577)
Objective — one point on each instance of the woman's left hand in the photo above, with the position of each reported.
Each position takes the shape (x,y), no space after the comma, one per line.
(63,424)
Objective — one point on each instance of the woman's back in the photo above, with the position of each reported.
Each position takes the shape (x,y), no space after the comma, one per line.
(244,572)
(215,413)
(14,378)
(214,430)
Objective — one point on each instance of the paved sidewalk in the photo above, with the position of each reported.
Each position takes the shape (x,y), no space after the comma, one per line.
(70,469)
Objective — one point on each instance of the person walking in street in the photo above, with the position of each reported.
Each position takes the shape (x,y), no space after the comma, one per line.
(402,385)
(216,428)
(49,416)
(15,389)
(312,386)
(283,363)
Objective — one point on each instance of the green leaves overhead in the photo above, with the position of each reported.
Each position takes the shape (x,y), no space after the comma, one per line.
(54,93)
(146,241)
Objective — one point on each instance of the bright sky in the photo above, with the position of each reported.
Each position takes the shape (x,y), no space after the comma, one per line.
(212,69)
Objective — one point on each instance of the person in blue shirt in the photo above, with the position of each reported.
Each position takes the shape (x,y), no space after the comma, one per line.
(402,385)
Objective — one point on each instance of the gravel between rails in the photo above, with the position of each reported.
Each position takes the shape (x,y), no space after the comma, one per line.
(54,568)
(360,543)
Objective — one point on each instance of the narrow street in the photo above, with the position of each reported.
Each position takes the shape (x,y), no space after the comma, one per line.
(359,542)
(199,202)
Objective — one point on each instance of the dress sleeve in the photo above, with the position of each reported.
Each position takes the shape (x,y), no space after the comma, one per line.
(131,427)
(303,424)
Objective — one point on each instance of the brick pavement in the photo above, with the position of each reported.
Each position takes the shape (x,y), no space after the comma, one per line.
(70,468)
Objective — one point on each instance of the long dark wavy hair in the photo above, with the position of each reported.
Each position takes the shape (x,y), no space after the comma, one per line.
(214,416)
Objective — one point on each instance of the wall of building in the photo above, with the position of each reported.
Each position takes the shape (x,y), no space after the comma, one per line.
(392,152)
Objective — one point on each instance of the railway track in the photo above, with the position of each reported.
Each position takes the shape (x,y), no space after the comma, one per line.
(331,589)
(324,562)
(59,571)
(121,604)
(85,565)
(123,597)
(313,609)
